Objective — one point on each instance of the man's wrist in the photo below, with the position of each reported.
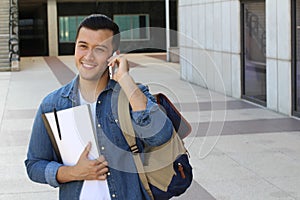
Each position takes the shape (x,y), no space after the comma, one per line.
(128,85)
(66,174)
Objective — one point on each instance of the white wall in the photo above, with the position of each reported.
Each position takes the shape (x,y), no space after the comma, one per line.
(210,44)
(278,35)
(210,48)
(52,27)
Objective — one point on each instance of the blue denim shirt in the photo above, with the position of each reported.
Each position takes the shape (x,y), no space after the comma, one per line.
(123,181)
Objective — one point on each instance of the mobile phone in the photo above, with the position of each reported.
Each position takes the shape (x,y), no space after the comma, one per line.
(114,69)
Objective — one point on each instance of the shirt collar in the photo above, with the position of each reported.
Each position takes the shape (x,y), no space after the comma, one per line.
(71,90)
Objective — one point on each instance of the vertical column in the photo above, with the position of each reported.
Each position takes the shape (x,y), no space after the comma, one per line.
(167,29)
(52,27)
(284,27)
(14,53)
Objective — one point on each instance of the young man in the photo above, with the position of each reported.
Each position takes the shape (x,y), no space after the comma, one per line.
(112,175)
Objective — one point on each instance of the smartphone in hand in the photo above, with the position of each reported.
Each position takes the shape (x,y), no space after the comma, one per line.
(114,69)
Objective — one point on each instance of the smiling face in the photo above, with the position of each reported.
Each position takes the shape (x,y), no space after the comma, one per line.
(92,50)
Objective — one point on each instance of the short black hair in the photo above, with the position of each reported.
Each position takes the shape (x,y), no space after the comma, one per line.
(98,21)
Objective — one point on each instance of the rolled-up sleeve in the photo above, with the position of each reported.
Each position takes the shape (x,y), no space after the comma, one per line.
(38,164)
(50,173)
(152,125)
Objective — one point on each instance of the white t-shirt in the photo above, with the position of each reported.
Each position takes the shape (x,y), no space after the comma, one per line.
(93,189)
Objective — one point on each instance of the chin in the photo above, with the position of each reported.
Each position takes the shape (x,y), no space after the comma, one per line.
(91,77)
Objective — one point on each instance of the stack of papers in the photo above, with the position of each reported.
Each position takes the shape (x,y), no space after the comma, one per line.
(71,130)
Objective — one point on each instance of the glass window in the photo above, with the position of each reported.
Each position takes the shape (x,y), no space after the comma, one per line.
(297,59)
(68,27)
(133,27)
(254,51)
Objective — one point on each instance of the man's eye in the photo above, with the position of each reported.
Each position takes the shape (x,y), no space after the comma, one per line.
(82,46)
(99,50)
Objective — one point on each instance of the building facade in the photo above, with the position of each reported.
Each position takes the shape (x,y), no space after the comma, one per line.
(243,48)
(9,41)
(48,27)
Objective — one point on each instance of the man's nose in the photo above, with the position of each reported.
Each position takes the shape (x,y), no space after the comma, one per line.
(90,55)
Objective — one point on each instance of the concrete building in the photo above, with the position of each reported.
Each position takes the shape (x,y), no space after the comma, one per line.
(243,48)
(9,48)
(48,27)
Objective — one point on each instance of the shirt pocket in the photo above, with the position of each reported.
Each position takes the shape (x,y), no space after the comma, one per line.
(115,132)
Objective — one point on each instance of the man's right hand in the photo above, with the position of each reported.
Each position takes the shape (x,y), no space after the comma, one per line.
(85,169)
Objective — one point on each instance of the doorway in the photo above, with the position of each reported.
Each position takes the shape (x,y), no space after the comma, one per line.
(33,29)
(254,51)
(296,56)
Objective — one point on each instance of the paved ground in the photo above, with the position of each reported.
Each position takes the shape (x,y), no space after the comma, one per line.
(239,151)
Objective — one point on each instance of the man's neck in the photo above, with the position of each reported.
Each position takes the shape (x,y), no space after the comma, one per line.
(90,90)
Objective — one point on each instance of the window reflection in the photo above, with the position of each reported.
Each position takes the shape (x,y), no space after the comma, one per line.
(254,51)
(297,56)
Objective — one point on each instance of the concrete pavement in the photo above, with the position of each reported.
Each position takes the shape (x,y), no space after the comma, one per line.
(238,150)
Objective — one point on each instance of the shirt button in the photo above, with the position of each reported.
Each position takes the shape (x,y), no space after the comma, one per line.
(108,173)
(116,120)
(102,148)
(99,125)
(99,102)
(113,195)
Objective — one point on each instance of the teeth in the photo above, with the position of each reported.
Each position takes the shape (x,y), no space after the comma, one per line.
(88,66)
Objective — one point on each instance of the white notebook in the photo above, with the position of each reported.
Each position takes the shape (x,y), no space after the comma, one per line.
(76,129)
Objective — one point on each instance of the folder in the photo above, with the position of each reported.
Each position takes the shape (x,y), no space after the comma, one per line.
(70,131)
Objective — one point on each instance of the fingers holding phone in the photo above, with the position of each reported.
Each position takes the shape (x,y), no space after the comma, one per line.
(118,66)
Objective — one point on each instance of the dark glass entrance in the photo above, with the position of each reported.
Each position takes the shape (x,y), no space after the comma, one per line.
(33,28)
(254,51)
(296,57)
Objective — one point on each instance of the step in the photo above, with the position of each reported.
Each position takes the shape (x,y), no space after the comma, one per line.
(4,47)
(4,29)
(4,7)
(4,61)
(4,57)
(4,32)
(5,4)
(4,40)
(4,18)
(4,51)
(4,12)
(4,54)
(3,36)
(5,66)
(4,24)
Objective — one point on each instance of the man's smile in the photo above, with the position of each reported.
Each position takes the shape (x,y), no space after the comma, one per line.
(88,65)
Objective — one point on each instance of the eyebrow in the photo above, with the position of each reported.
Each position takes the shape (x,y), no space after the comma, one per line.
(100,45)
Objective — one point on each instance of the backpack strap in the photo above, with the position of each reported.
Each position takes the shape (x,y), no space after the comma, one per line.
(128,132)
